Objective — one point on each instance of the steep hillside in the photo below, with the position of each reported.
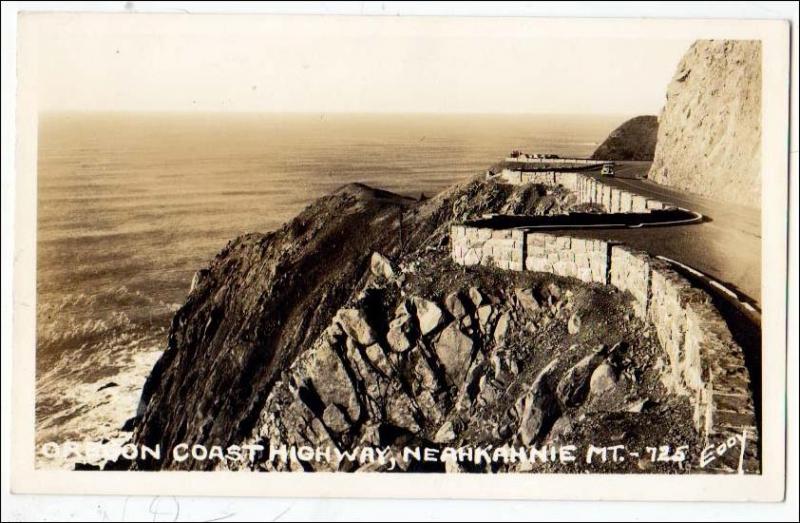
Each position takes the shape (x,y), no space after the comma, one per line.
(633,140)
(709,133)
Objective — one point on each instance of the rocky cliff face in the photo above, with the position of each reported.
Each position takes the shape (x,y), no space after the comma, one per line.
(350,326)
(633,140)
(709,134)
(262,301)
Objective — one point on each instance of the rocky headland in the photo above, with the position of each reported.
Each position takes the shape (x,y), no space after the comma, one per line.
(634,140)
(351,326)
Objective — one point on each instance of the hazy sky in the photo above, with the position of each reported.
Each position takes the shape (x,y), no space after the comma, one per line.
(297,64)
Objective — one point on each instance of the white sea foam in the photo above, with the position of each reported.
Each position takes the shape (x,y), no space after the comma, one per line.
(91,411)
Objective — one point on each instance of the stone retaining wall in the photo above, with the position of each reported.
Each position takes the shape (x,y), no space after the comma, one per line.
(630,271)
(702,360)
(497,248)
(579,258)
(572,161)
(587,188)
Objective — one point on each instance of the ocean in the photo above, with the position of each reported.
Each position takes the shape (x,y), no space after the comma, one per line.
(130,205)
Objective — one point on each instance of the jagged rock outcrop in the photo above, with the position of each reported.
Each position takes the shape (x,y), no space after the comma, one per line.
(633,140)
(460,383)
(709,134)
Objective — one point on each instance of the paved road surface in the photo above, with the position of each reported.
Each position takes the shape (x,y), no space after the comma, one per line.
(726,246)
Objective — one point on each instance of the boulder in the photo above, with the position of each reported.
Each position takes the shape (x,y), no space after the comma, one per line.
(356,360)
(574,324)
(454,350)
(471,386)
(329,377)
(573,387)
(354,323)
(562,429)
(502,431)
(487,391)
(334,419)
(400,411)
(402,310)
(455,306)
(504,366)
(423,373)
(485,313)
(370,434)
(553,291)
(378,358)
(476,296)
(536,409)
(429,315)
(501,329)
(380,266)
(397,336)
(445,434)
(604,378)
(432,408)
(527,300)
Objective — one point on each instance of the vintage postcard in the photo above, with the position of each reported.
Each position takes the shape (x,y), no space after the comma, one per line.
(401,257)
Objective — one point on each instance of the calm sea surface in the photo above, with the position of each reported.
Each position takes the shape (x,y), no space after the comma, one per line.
(131,205)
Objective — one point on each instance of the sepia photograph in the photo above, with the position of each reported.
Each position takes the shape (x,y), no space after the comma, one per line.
(268,247)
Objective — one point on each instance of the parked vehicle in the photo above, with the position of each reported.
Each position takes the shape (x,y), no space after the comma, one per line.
(607,170)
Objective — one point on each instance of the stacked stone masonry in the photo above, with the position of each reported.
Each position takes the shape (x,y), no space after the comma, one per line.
(579,258)
(483,246)
(587,188)
(701,358)
(567,161)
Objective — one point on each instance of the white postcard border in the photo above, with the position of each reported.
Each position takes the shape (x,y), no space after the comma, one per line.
(769,486)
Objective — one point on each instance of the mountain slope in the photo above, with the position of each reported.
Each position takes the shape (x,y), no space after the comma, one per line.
(633,140)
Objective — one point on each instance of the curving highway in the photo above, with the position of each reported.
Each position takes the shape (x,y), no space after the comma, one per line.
(726,245)
(715,246)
